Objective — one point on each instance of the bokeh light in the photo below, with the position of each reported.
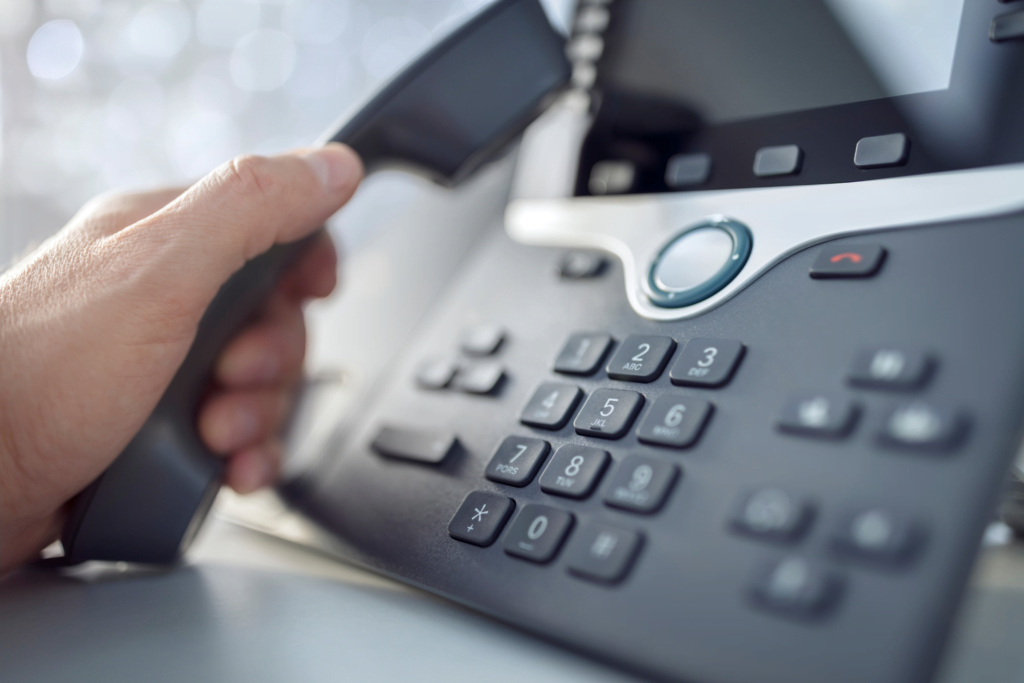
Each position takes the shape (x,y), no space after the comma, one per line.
(54,50)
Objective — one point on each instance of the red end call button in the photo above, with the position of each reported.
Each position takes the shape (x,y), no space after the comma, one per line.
(848,260)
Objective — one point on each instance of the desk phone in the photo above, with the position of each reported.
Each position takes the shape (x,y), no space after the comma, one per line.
(737,405)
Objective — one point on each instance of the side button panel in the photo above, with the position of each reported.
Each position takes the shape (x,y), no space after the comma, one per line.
(420,445)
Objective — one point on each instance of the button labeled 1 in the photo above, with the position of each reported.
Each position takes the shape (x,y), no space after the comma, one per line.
(574,471)
(707,362)
(538,532)
(583,353)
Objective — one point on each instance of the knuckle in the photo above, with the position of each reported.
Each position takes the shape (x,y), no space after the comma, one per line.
(250,176)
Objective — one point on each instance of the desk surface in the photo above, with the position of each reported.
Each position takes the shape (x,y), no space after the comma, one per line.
(250,607)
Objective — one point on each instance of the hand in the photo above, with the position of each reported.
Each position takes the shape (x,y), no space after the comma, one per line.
(95,323)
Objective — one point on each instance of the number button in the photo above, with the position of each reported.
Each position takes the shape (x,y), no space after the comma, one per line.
(641,484)
(707,362)
(517,460)
(574,471)
(583,353)
(603,553)
(641,358)
(538,533)
(551,406)
(608,413)
(674,421)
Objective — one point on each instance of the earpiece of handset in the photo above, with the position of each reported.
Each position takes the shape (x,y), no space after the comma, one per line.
(445,115)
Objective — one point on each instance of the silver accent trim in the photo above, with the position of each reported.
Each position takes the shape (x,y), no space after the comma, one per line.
(782,220)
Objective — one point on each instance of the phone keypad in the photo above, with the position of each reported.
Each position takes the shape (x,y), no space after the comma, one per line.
(608,413)
(643,484)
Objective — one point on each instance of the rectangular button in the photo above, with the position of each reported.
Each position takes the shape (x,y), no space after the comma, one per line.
(551,405)
(608,413)
(674,421)
(707,362)
(574,471)
(923,426)
(538,533)
(794,586)
(435,373)
(887,367)
(481,517)
(480,378)
(483,340)
(641,484)
(882,150)
(641,358)
(822,415)
(847,260)
(876,535)
(583,353)
(772,514)
(776,161)
(421,445)
(517,460)
(687,170)
(603,553)
(1007,27)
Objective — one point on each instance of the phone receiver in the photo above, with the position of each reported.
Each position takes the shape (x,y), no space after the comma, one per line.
(445,115)
(851,256)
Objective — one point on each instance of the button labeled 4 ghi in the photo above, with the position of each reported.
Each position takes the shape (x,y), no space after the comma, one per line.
(608,413)
(551,406)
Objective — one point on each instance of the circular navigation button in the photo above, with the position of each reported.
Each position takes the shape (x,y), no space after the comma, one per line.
(697,263)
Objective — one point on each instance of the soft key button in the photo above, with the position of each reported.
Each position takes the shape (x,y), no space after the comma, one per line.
(772,514)
(823,415)
(483,340)
(421,445)
(538,533)
(641,358)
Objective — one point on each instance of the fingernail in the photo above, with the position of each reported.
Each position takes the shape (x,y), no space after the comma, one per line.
(335,165)
(256,473)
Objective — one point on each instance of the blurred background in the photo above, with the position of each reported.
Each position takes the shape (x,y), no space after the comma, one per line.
(105,94)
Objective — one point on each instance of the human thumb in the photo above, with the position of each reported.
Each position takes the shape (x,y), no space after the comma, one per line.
(238,211)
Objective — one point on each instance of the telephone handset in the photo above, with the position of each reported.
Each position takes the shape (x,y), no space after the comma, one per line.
(445,115)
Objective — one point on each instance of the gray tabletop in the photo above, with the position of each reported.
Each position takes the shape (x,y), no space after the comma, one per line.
(247,606)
